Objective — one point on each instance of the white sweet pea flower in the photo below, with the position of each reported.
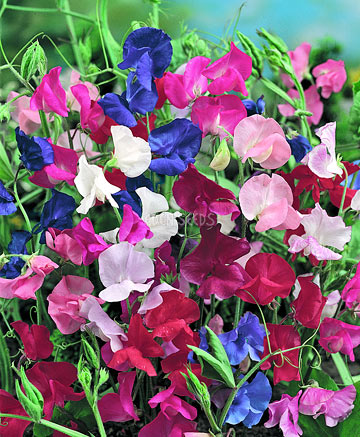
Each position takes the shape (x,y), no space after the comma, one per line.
(92,185)
(355,202)
(161,223)
(133,154)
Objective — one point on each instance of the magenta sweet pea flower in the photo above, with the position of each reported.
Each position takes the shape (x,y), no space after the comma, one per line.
(335,405)
(211,112)
(229,72)
(351,292)
(263,140)
(338,336)
(313,104)
(182,89)
(330,76)
(119,407)
(269,199)
(50,96)
(161,426)
(171,405)
(211,264)
(73,104)
(91,113)
(195,193)
(300,62)
(133,229)
(36,340)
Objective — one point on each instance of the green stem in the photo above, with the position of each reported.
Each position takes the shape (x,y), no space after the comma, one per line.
(344,193)
(24,213)
(49,11)
(342,368)
(306,131)
(5,365)
(111,45)
(44,125)
(101,35)
(155,14)
(118,216)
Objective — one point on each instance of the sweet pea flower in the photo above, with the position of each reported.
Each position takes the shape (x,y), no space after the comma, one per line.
(320,231)
(25,286)
(300,61)
(331,305)
(35,152)
(195,193)
(7,205)
(253,107)
(28,120)
(122,270)
(263,140)
(12,269)
(133,154)
(117,108)
(322,158)
(355,201)
(161,426)
(91,114)
(92,185)
(64,244)
(269,199)
(10,405)
(182,89)
(351,292)
(330,76)
(171,405)
(133,229)
(50,96)
(211,112)
(36,340)
(285,412)
(300,146)
(73,104)
(313,104)
(337,336)
(229,72)
(335,405)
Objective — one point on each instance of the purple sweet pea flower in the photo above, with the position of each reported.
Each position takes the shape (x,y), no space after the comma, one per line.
(139,98)
(12,269)
(7,205)
(246,338)
(117,108)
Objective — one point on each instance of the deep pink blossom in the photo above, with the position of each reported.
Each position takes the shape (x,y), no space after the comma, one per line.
(73,104)
(181,89)
(335,405)
(211,112)
(64,244)
(36,340)
(351,292)
(313,104)
(330,76)
(195,193)
(211,264)
(262,140)
(91,114)
(133,229)
(269,200)
(28,120)
(13,427)
(229,72)
(300,62)
(171,405)
(119,407)
(338,336)
(161,426)
(50,96)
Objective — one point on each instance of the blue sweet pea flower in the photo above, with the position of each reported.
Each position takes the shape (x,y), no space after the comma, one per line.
(12,269)
(300,146)
(250,402)
(57,213)
(246,338)
(36,152)
(253,108)
(7,205)
(140,99)
(149,51)
(117,108)
(356,184)
(178,143)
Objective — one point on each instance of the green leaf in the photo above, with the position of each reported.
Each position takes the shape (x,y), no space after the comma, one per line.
(277,90)
(316,427)
(356,87)
(6,173)
(354,116)
(42,431)
(324,380)
(351,425)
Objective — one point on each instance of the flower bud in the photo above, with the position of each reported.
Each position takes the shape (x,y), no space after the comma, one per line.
(34,60)
(222,157)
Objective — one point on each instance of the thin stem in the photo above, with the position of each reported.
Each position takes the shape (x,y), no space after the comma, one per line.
(50,11)
(44,124)
(344,193)
(118,216)
(5,365)
(101,35)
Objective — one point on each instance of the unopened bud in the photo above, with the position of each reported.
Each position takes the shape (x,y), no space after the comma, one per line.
(222,157)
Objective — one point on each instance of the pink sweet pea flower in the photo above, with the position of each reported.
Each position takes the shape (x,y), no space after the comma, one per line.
(63,169)
(161,426)
(64,244)
(25,286)
(35,339)
(351,293)
(182,89)
(211,112)
(132,228)
(65,302)
(122,270)
(335,405)
(171,405)
(313,104)
(269,199)
(338,336)
(321,160)
(331,76)
(229,72)
(91,114)
(119,407)
(285,413)
(320,231)
(300,62)
(74,105)
(263,140)
(50,96)
(28,120)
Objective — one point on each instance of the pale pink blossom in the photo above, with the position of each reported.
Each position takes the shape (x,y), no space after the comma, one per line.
(73,104)
(330,76)
(300,62)
(28,119)
(263,140)
(269,199)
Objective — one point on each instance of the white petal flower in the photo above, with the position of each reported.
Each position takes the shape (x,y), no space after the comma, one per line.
(92,185)
(133,154)
(355,201)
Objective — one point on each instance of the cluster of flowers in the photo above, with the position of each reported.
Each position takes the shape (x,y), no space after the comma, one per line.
(141,263)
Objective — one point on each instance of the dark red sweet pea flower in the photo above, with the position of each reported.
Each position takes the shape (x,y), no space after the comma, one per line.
(286,365)
(9,426)
(336,190)
(54,379)
(211,264)
(160,82)
(140,130)
(270,276)
(37,345)
(203,197)
(138,348)
(309,304)
(165,264)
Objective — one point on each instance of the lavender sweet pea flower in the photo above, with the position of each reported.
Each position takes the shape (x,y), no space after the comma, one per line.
(7,205)
(246,338)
